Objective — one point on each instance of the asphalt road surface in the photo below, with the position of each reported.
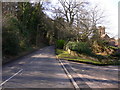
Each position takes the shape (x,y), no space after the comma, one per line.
(41,69)
(97,76)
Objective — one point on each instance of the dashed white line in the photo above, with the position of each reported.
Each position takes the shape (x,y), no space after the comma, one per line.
(11,77)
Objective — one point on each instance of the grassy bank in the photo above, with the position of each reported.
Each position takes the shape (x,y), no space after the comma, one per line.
(66,56)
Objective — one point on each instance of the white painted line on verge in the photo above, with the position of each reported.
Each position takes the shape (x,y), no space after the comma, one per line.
(72,80)
(11,77)
(101,68)
(110,69)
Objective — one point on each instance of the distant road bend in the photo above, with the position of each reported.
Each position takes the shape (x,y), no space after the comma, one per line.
(41,69)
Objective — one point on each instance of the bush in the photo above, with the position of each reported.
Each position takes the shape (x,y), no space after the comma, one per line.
(10,44)
(116,54)
(10,40)
(60,44)
(81,47)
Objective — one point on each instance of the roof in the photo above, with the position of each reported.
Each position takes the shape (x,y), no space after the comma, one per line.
(105,36)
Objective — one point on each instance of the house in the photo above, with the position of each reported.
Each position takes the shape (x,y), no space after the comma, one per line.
(118,42)
(104,36)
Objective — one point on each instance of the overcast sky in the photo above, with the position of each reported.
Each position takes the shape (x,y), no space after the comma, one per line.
(111,12)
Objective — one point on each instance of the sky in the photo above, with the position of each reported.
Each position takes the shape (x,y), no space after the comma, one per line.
(111,12)
(110,7)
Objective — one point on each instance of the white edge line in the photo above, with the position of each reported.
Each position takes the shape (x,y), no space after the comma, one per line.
(11,77)
(72,80)
(85,80)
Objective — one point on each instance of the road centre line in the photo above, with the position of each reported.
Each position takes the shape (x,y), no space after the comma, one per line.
(11,77)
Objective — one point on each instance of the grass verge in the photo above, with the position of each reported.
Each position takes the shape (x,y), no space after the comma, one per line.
(66,56)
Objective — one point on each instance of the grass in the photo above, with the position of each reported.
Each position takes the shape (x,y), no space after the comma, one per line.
(113,47)
(66,56)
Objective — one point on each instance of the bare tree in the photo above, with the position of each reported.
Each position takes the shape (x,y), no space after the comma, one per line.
(69,9)
(80,19)
(88,20)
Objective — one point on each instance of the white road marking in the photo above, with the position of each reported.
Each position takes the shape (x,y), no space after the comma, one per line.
(10,77)
(72,80)
(102,68)
(116,69)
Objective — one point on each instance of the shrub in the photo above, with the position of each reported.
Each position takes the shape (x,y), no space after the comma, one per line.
(70,45)
(60,44)
(10,44)
(116,54)
(81,47)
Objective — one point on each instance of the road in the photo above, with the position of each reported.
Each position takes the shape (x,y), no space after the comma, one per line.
(96,76)
(41,69)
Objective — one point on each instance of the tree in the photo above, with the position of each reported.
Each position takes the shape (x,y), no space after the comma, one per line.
(9,8)
(88,20)
(69,9)
(25,28)
(81,20)
(67,13)
(33,21)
